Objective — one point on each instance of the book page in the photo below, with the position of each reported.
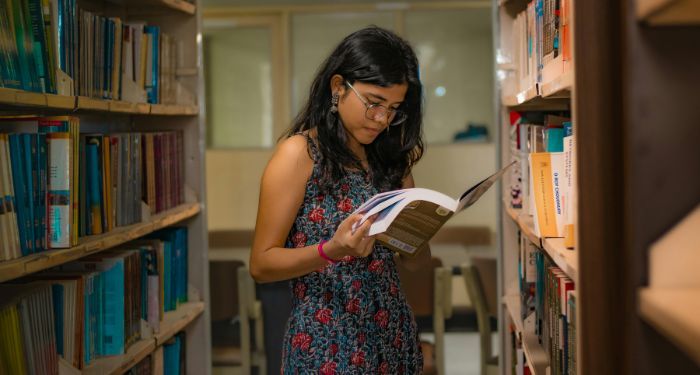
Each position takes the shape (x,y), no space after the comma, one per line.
(475,192)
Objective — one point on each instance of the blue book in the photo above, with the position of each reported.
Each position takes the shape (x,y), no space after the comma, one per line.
(153,54)
(9,60)
(28,150)
(57,296)
(554,138)
(168,276)
(171,357)
(568,129)
(114,314)
(40,49)
(93,193)
(42,188)
(18,177)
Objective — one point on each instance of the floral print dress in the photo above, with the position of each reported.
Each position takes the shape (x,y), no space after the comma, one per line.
(350,317)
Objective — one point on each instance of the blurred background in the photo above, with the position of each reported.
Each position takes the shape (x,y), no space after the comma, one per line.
(259,60)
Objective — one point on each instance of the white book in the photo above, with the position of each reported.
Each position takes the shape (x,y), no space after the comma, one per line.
(406,219)
(59,186)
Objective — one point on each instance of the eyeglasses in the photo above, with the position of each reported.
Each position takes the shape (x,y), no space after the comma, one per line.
(378,112)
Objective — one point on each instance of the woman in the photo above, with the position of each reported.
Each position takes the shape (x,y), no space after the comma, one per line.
(358,135)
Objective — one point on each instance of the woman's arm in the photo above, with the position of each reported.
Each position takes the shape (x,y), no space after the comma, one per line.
(282,192)
(423,257)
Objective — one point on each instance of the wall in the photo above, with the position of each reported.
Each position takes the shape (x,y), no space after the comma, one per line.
(233,179)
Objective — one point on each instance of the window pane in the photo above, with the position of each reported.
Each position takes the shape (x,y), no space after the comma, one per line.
(238,86)
(455,53)
(313,38)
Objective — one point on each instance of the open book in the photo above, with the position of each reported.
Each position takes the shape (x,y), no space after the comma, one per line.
(408,218)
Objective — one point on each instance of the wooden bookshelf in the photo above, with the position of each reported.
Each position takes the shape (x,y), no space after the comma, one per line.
(181,20)
(566,259)
(172,323)
(559,87)
(175,321)
(512,303)
(26,265)
(19,100)
(668,12)
(120,364)
(536,357)
(674,313)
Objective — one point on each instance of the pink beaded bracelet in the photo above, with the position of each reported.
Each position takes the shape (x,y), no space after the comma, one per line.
(322,254)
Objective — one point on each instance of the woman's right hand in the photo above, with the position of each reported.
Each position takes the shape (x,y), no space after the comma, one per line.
(346,242)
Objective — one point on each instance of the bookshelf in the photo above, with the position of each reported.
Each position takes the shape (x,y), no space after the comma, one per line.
(180,20)
(29,264)
(633,102)
(552,91)
(668,12)
(19,100)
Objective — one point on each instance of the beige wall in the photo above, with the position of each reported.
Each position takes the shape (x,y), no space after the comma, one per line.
(233,178)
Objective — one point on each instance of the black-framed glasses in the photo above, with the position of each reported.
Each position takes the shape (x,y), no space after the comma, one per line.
(378,112)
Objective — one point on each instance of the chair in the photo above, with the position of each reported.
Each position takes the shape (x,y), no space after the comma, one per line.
(234,305)
(481,278)
(429,292)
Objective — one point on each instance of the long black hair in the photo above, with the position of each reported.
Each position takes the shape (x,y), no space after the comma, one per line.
(375,56)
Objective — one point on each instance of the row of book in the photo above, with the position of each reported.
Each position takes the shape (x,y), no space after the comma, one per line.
(97,306)
(541,42)
(543,183)
(59,185)
(54,46)
(548,295)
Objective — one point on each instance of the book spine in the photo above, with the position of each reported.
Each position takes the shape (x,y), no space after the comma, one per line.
(93,189)
(40,47)
(18,177)
(59,196)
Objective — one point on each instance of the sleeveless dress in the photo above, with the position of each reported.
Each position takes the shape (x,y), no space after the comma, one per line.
(350,317)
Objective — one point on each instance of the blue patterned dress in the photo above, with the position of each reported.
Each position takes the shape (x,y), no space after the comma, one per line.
(350,317)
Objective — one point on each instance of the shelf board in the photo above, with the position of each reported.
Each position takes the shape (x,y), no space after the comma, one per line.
(674,313)
(174,109)
(175,321)
(512,212)
(120,364)
(26,265)
(537,358)
(21,99)
(668,12)
(559,87)
(179,5)
(566,259)
(530,100)
(172,323)
(512,303)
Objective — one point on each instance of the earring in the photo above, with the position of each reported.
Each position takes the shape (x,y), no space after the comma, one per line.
(334,103)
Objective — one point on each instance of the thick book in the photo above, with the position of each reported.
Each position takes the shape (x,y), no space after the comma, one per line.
(407,219)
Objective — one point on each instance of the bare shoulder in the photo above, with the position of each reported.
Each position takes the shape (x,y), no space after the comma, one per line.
(291,156)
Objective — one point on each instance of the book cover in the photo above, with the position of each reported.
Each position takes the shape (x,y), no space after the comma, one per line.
(408,218)
(547,182)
